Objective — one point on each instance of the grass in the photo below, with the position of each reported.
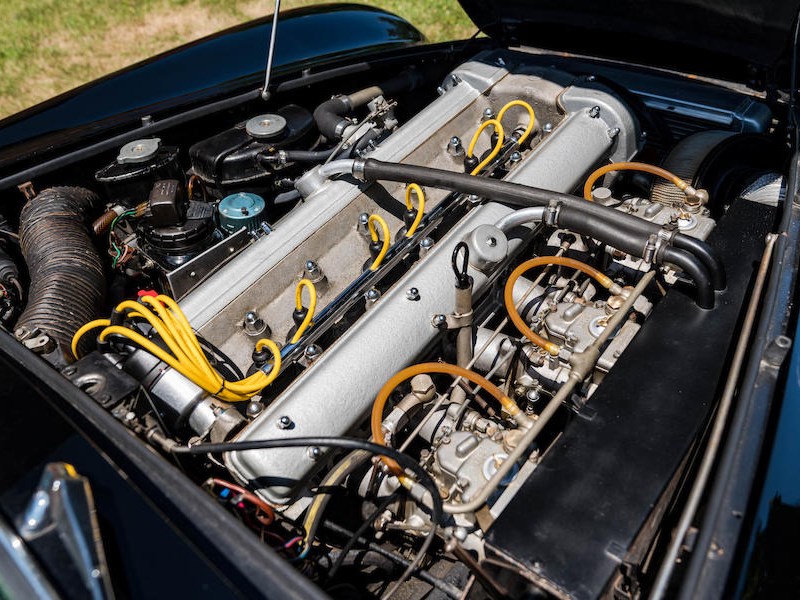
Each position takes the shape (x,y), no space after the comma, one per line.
(50,46)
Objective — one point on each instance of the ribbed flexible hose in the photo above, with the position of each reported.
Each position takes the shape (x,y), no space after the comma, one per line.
(67,285)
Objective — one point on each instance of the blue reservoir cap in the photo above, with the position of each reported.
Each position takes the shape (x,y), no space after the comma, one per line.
(242,209)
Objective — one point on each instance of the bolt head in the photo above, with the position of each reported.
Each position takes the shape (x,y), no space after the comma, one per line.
(547,127)
(284,422)
(439,321)
(412,294)
(488,113)
(312,352)
(254,408)
(426,243)
(373,294)
(314,453)
(516,156)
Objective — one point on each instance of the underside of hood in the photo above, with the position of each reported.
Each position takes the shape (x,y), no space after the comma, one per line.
(748,41)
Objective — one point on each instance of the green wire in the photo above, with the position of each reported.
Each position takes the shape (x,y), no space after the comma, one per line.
(127,213)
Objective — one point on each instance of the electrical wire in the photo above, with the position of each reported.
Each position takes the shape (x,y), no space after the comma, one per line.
(541,261)
(359,532)
(83,330)
(423,478)
(440,584)
(413,187)
(184,352)
(531,117)
(298,304)
(498,128)
(633,166)
(266,510)
(334,477)
(373,233)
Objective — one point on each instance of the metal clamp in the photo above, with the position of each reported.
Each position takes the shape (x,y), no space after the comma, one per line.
(457,321)
(551,215)
(663,240)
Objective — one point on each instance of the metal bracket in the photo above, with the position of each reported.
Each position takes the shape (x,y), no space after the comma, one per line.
(458,321)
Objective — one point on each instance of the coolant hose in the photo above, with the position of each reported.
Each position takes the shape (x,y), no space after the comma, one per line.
(691,266)
(67,285)
(330,115)
(620,230)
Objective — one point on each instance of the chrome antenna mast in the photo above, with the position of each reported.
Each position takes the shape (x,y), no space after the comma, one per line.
(271,51)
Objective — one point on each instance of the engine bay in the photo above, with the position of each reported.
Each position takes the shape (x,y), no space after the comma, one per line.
(457,333)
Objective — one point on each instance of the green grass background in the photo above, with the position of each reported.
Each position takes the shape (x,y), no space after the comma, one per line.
(50,46)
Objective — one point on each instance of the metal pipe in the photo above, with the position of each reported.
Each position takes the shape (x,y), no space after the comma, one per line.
(271,51)
(533,214)
(720,420)
(582,365)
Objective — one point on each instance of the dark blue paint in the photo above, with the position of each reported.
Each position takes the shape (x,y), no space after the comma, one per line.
(214,67)
(776,524)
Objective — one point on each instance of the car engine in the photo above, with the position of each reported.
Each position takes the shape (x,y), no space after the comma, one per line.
(483,270)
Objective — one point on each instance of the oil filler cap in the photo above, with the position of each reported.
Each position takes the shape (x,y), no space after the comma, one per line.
(241,210)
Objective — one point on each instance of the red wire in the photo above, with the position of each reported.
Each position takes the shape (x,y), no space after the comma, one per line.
(266,515)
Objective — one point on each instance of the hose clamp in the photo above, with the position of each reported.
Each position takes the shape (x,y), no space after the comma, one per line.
(551,214)
(650,248)
(358,169)
(663,240)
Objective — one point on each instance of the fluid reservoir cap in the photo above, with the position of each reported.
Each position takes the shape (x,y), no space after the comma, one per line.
(241,210)
(264,127)
(138,151)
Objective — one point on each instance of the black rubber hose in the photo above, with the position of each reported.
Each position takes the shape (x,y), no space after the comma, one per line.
(622,231)
(307,156)
(67,284)
(330,115)
(286,197)
(690,265)
(513,194)
(706,255)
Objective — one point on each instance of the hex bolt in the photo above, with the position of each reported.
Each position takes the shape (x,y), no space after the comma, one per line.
(425,245)
(363,226)
(454,147)
(254,324)
(312,269)
(412,294)
(613,132)
(515,157)
(547,127)
(594,112)
(314,453)
(284,422)
(254,408)
(372,296)
(488,113)
(312,352)
(439,321)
